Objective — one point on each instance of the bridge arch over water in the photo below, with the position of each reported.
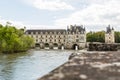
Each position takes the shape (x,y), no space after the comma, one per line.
(37,45)
(75,47)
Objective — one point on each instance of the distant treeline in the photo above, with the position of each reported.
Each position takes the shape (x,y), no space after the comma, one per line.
(13,40)
(100,36)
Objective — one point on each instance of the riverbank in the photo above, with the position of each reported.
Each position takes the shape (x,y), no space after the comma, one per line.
(88,66)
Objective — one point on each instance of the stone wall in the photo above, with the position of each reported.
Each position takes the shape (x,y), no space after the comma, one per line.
(103,47)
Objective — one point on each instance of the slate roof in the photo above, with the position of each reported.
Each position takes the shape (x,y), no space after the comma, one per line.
(47,30)
(75,28)
(72,28)
(109,29)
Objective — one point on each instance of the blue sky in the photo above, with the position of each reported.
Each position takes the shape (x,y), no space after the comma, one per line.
(93,14)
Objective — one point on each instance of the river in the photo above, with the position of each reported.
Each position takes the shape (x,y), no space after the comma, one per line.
(32,64)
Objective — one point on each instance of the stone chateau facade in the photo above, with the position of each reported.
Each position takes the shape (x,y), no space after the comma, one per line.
(70,38)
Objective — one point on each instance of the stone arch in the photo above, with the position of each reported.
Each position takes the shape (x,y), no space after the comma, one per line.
(37,45)
(46,44)
(74,46)
(55,45)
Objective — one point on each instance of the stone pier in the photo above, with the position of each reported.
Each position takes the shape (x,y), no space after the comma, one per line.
(88,66)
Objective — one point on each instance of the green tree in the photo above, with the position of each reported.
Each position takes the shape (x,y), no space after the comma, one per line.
(96,36)
(13,40)
(117,37)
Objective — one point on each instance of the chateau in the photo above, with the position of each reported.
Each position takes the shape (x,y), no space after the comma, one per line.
(74,37)
(109,35)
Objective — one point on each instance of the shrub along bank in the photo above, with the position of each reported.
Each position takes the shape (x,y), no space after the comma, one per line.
(13,40)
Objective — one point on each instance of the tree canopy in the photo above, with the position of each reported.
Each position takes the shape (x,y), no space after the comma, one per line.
(13,40)
(117,37)
(96,36)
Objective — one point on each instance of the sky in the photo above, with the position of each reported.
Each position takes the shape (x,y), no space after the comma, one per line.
(95,15)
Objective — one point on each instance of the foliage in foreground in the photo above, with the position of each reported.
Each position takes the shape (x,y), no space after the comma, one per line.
(13,40)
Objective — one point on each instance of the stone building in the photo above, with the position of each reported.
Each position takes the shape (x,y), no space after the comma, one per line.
(109,35)
(76,36)
(72,38)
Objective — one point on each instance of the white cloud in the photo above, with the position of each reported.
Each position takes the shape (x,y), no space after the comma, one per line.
(17,24)
(20,24)
(43,27)
(50,4)
(95,14)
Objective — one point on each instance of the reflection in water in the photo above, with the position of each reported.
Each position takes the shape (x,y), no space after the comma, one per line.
(30,65)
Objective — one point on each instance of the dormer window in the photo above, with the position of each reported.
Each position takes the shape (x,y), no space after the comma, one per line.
(59,33)
(41,32)
(36,32)
(50,32)
(46,33)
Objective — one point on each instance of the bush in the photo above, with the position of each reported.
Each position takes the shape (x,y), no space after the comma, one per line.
(13,40)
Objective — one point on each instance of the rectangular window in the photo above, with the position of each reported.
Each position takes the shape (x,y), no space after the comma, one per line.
(77,36)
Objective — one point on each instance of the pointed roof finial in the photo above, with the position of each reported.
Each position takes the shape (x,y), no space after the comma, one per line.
(112,28)
(84,29)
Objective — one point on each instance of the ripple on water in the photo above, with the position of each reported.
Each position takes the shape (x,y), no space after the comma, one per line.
(31,65)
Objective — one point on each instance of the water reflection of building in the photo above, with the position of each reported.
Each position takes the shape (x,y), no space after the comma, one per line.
(109,35)
(69,39)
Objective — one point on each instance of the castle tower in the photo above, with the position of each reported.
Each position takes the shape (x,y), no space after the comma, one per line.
(109,35)
(76,37)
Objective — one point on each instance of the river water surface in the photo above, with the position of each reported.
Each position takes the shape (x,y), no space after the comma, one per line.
(30,65)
